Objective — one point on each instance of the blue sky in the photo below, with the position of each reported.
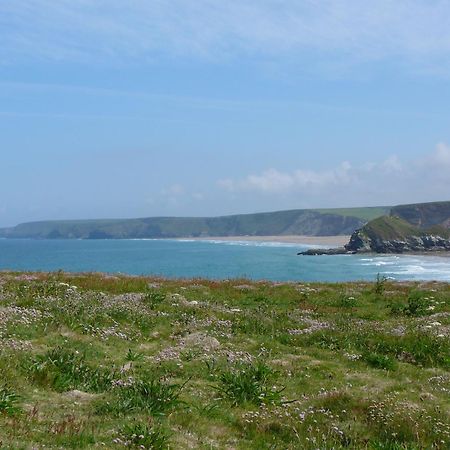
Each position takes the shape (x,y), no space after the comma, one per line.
(176,107)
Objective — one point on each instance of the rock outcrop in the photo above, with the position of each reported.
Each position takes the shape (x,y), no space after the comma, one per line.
(361,243)
(391,234)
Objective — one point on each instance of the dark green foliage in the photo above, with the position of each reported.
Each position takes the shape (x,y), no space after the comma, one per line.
(144,436)
(346,301)
(249,383)
(153,298)
(8,401)
(392,446)
(153,396)
(64,369)
(380,361)
(133,356)
(380,285)
(417,304)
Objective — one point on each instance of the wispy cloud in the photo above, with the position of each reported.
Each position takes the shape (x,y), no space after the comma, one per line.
(413,32)
(274,181)
(389,181)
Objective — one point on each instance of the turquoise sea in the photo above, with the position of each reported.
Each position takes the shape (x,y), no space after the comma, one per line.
(213,259)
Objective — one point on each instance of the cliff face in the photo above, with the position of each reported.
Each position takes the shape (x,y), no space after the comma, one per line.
(296,222)
(424,215)
(361,243)
(389,234)
(417,228)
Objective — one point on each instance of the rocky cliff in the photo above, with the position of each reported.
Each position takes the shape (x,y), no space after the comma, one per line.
(362,242)
(409,228)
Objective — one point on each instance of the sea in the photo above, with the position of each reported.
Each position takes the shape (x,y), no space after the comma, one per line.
(213,259)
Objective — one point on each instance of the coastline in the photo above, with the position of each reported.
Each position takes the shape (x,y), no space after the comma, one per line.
(332,241)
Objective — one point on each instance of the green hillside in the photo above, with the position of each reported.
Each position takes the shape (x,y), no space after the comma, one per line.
(365,213)
(387,227)
(309,222)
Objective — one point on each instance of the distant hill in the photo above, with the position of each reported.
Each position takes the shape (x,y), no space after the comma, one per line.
(424,215)
(309,222)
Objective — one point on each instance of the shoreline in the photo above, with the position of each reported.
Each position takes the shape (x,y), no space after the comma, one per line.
(332,241)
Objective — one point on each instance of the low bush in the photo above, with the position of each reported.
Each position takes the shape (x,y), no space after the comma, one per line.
(417,304)
(143,436)
(64,369)
(380,361)
(249,383)
(153,396)
(8,401)
(153,298)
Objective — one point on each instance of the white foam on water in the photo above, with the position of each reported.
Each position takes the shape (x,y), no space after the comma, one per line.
(379,261)
(425,268)
(259,243)
(410,267)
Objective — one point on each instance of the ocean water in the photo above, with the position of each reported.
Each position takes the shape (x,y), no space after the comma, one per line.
(213,259)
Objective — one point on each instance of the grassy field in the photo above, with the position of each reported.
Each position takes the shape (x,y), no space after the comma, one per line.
(97,361)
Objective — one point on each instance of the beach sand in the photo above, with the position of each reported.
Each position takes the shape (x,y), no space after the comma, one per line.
(331,241)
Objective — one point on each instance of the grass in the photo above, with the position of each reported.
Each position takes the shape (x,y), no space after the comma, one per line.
(249,383)
(390,227)
(8,401)
(364,213)
(92,361)
(142,435)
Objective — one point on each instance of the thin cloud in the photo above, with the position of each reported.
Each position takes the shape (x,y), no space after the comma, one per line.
(273,181)
(413,32)
(390,181)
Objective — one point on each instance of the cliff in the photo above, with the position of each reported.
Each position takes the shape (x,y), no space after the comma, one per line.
(421,227)
(293,222)
(394,235)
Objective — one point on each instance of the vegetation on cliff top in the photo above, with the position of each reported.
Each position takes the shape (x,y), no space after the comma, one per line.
(92,361)
(388,227)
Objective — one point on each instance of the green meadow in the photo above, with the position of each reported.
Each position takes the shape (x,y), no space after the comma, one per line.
(102,361)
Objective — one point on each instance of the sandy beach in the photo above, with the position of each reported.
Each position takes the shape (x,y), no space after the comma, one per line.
(331,241)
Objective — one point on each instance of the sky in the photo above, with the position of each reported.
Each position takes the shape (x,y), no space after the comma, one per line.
(113,109)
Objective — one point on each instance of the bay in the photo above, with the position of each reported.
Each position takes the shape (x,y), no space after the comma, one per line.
(213,259)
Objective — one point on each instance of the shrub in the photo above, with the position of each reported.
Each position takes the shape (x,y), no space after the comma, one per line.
(380,284)
(153,396)
(8,401)
(346,301)
(153,298)
(417,304)
(64,369)
(133,356)
(380,361)
(249,383)
(143,436)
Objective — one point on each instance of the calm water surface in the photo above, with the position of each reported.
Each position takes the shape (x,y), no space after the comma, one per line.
(213,259)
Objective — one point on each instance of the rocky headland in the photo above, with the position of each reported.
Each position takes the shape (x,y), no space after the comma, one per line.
(420,228)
